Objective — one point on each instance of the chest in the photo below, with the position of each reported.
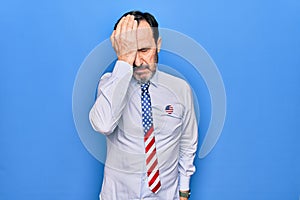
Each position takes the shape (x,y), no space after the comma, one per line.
(167,112)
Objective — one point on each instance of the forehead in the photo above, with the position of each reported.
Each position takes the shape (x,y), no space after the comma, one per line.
(145,35)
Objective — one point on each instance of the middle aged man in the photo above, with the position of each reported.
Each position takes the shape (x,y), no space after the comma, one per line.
(148,117)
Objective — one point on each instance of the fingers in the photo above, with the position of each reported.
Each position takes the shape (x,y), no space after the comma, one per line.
(124,39)
(130,23)
(135,25)
(126,24)
(112,38)
(118,29)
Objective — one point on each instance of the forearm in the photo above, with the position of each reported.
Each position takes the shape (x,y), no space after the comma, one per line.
(111,100)
(188,143)
(186,170)
(187,152)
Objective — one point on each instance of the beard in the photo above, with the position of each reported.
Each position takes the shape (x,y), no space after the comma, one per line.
(141,77)
(150,71)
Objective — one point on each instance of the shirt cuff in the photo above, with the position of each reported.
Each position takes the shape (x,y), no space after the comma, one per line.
(184,182)
(121,68)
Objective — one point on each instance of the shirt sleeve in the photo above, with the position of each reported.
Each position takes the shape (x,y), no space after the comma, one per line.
(188,143)
(111,98)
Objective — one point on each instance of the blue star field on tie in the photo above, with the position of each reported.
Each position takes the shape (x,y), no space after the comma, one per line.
(149,139)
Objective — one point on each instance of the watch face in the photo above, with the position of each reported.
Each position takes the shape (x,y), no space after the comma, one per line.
(184,194)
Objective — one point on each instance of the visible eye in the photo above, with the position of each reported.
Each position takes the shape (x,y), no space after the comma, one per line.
(144,49)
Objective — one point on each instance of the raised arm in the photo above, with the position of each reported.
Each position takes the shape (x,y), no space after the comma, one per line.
(112,89)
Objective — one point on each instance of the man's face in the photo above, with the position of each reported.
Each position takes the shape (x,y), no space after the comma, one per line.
(146,57)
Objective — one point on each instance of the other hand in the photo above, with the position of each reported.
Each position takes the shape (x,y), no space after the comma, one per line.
(124,39)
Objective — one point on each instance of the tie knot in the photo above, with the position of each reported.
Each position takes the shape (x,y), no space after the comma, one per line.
(145,86)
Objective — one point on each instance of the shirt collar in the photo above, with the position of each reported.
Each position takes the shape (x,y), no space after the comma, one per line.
(153,80)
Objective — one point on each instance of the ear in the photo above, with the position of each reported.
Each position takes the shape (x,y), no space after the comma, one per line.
(158,45)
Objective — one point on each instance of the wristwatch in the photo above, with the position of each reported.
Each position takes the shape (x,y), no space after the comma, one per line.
(186,194)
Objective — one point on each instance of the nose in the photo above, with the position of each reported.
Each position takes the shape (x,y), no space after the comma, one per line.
(138,60)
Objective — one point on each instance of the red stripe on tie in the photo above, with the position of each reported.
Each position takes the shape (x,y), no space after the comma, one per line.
(151,169)
(153,178)
(156,187)
(149,145)
(148,133)
(150,156)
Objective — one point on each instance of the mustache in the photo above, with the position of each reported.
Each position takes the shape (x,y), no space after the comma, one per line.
(136,67)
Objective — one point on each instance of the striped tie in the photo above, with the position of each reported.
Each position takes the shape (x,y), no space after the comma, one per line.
(149,139)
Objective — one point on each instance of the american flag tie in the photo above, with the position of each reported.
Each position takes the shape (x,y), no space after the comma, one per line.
(149,139)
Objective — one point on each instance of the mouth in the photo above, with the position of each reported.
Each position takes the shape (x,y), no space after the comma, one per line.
(140,69)
(142,73)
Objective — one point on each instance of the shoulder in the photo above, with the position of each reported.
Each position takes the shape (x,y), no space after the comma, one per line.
(174,83)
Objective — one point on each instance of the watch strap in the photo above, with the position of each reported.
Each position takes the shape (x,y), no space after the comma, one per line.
(185,194)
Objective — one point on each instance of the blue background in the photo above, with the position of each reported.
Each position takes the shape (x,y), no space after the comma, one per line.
(255,44)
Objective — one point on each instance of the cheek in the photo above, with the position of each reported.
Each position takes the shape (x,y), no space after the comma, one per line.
(151,56)
(152,67)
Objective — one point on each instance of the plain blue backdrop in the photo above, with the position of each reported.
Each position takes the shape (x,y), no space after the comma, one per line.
(255,44)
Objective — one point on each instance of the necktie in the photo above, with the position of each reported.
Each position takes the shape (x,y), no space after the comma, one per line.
(149,139)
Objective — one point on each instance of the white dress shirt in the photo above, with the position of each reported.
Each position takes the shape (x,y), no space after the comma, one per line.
(117,114)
